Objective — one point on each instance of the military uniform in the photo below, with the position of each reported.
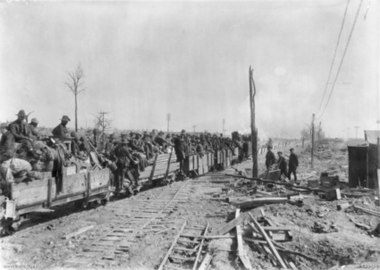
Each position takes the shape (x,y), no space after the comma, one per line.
(19,129)
(293,164)
(270,159)
(281,162)
(61,131)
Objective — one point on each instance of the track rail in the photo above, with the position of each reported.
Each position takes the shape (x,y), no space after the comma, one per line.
(185,251)
(143,214)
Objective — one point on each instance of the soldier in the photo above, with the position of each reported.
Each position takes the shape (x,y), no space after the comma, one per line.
(159,140)
(126,166)
(180,151)
(109,145)
(60,131)
(19,129)
(270,159)
(136,144)
(293,164)
(281,163)
(33,128)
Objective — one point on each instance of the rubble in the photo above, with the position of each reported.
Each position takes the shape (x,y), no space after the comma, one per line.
(307,228)
(324,227)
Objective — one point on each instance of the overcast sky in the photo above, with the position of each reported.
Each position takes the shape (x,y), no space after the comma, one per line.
(143,60)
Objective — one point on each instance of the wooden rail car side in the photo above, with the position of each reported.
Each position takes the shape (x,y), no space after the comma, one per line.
(41,195)
(197,165)
(164,166)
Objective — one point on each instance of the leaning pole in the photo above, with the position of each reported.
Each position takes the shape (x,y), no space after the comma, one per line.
(252,93)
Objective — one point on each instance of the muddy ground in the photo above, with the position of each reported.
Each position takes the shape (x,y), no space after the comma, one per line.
(319,230)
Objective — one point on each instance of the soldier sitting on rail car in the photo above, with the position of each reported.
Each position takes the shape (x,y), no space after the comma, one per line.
(60,132)
(199,148)
(148,146)
(161,142)
(77,148)
(135,143)
(33,129)
(20,129)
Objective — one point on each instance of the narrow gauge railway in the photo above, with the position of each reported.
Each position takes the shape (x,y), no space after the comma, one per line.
(95,185)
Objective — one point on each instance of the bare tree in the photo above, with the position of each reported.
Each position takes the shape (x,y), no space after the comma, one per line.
(103,125)
(75,84)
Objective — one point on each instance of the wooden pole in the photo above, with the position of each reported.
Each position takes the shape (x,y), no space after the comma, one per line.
(312,142)
(378,166)
(252,93)
(168,120)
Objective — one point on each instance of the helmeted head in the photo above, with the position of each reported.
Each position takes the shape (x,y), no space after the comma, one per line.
(291,150)
(65,119)
(74,135)
(34,121)
(124,137)
(279,153)
(138,135)
(21,115)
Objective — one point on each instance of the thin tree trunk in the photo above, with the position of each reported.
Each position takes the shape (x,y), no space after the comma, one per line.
(76,113)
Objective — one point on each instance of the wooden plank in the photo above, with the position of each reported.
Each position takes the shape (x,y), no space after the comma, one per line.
(49,195)
(74,183)
(270,244)
(153,168)
(276,229)
(367,211)
(206,262)
(161,267)
(168,166)
(229,226)
(30,192)
(99,178)
(80,231)
(207,236)
(258,202)
(241,252)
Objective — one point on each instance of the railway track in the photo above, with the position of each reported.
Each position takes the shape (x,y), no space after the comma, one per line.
(185,251)
(143,214)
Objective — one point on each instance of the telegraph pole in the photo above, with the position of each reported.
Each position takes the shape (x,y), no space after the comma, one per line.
(356,131)
(312,142)
(194,126)
(223,124)
(168,120)
(252,93)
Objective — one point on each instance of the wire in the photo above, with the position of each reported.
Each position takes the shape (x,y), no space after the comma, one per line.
(334,57)
(344,54)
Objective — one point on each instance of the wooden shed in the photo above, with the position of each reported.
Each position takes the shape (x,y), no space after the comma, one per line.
(364,160)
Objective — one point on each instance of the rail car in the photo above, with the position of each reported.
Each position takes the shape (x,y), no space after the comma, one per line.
(84,186)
